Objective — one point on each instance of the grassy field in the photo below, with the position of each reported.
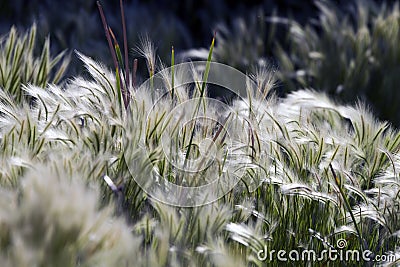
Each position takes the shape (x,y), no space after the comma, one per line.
(103,170)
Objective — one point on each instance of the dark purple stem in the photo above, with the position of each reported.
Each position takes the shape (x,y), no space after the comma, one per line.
(125,46)
(114,57)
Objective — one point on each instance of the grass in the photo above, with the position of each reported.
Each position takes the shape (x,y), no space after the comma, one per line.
(349,51)
(362,41)
(78,163)
(20,66)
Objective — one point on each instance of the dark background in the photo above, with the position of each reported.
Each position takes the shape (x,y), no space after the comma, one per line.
(182,24)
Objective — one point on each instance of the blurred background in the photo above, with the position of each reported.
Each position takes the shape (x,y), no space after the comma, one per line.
(349,49)
(182,24)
